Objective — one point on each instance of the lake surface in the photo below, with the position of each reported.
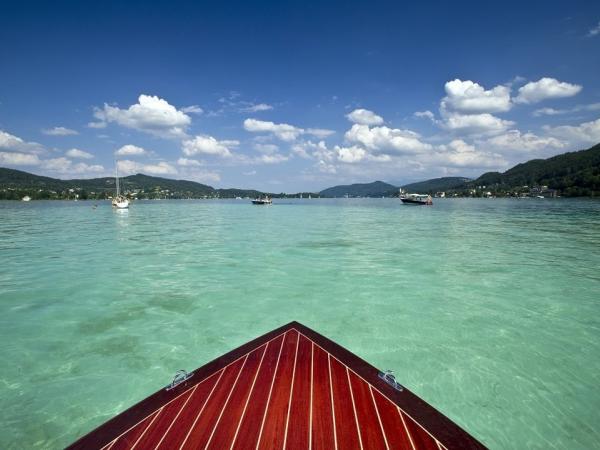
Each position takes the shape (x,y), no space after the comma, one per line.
(487,309)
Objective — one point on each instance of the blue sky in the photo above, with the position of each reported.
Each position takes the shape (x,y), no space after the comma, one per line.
(289,96)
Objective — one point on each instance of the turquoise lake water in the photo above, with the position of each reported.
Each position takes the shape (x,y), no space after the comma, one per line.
(487,309)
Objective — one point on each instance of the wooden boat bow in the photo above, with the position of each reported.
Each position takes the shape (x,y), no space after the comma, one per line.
(290,388)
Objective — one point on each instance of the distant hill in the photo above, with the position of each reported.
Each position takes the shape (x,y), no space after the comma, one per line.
(573,173)
(375,189)
(436,185)
(15,183)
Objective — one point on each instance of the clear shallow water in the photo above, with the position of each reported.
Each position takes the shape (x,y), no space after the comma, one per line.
(488,309)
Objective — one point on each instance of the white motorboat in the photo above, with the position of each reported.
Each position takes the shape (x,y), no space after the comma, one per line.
(266,200)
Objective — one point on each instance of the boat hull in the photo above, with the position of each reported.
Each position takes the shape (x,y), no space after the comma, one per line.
(290,388)
(410,201)
(261,202)
(121,205)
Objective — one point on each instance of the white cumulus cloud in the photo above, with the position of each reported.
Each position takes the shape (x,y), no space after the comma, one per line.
(19,159)
(459,153)
(555,112)
(208,145)
(320,133)
(16,144)
(275,158)
(364,117)
(351,155)
(127,166)
(584,133)
(470,97)
(514,140)
(65,166)
(186,162)
(76,153)
(59,131)
(546,88)
(475,124)
(425,114)
(193,109)
(130,150)
(256,107)
(151,115)
(283,131)
(266,148)
(384,139)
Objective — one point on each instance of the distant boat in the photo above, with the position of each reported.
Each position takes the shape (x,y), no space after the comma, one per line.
(238,198)
(119,201)
(27,198)
(266,200)
(416,199)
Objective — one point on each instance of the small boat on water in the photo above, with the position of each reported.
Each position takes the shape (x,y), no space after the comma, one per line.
(291,388)
(416,199)
(266,200)
(27,198)
(119,201)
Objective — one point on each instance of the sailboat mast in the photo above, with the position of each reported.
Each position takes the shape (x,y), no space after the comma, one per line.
(117,178)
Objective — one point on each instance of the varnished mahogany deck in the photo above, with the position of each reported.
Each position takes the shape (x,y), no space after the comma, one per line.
(291,388)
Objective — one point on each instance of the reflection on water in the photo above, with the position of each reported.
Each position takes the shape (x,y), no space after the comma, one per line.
(488,309)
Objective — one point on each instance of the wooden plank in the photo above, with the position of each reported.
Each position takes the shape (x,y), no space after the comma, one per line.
(393,427)
(298,427)
(224,431)
(177,433)
(163,422)
(345,419)
(273,430)
(202,427)
(249,427)
(370,428)
(323,434)
(130,438)
(420,438)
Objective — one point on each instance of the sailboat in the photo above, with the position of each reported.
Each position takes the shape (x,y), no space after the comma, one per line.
(119,201)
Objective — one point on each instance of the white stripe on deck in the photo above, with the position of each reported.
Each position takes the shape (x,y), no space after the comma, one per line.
(332,404)
(387,446)
(175,418)
(146,429)
(202,409)
(312,351)
(406,429)
(354,408)
(226,401)
(287,420)
(270,391)
(249,395)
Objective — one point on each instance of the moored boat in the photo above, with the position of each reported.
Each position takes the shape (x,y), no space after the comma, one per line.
(119,201)
(416,199)
(266,200)
(27,198)
(290,388)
